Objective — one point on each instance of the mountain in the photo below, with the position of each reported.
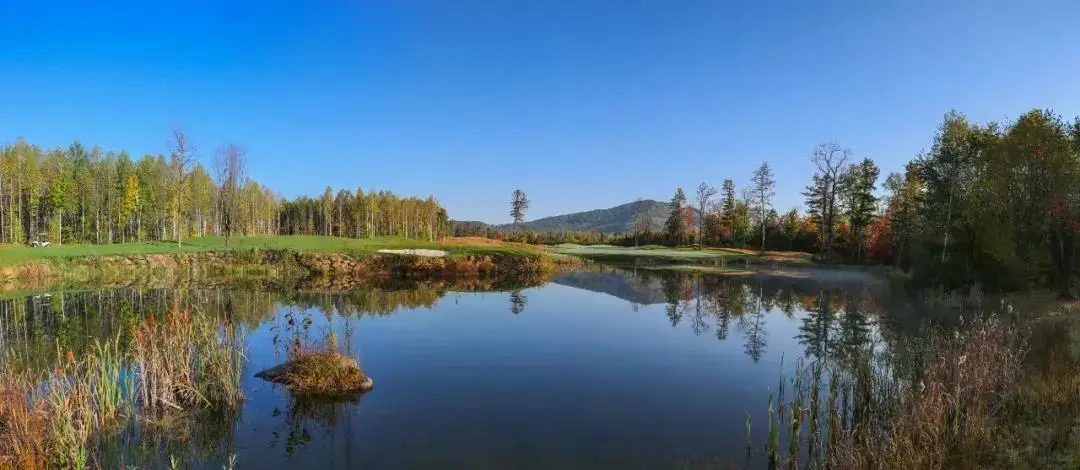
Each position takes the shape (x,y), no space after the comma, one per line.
(615,219)
(638,291)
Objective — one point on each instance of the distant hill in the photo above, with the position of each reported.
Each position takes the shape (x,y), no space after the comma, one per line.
(615,219)
(611,220)
(643,291)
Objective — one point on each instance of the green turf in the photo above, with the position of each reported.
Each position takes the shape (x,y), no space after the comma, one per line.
(648,254)
(307,243)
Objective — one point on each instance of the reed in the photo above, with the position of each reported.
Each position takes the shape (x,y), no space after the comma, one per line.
(772,446)
(84,399)
(949,415)
(24,425)
(186,361)
(58,418)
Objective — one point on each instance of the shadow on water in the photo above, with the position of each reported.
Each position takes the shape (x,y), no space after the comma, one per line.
(762,318)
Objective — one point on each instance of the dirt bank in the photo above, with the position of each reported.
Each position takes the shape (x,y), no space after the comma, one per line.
(343,268)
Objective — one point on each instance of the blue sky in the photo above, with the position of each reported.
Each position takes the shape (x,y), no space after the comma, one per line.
(581,103)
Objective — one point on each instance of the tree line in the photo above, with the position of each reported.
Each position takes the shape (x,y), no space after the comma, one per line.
(85,194)
(728,218)
(993,205)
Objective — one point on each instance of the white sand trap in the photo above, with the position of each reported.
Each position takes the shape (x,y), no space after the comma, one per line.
(416,252)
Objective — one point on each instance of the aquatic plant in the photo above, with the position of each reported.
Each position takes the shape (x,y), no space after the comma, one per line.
(322,373)
(944,405)
(23,425)
(314,368)
(56,418)
(187,361)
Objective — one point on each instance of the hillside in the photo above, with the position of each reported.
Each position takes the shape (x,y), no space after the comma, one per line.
(643,291)
(615,219)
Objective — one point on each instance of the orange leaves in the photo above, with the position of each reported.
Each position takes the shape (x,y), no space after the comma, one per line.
(880,239)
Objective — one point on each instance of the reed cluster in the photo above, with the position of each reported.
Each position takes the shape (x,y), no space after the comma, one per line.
(59,417)
(198,366)
(945,404)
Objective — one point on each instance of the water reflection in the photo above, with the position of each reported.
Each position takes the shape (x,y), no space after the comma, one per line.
(303,419)
(73,320)
(518,301)
(479,381)
(835,322)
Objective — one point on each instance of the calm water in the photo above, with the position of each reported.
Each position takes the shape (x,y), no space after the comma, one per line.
(605,369)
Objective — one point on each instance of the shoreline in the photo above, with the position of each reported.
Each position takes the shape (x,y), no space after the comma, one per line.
(336,269)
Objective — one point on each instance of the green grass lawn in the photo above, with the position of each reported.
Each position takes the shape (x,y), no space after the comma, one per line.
(649,253)
(22,254)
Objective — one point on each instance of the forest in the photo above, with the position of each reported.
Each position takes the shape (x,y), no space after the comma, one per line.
(87,195)
(991,205)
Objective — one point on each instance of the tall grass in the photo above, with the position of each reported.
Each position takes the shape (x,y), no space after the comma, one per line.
(943,406)
(58,418)
(200,366)
(24,425)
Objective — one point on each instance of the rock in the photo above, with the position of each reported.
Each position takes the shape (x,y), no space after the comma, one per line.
(273,374)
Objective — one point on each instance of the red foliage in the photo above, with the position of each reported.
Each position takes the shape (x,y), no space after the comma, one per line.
(879,240)
(1057,207)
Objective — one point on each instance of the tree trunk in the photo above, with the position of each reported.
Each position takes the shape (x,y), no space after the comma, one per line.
(1062,253)
(762,233)
(948,226)
(179,207)
(900,254)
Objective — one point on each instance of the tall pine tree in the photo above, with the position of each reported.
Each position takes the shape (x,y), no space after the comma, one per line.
(674,226)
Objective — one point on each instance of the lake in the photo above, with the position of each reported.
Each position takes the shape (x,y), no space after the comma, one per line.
(598,368)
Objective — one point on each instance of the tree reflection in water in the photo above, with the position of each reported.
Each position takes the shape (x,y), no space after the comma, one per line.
(829,321)
(835,320)
(517,302)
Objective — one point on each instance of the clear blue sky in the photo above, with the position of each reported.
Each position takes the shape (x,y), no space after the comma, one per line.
(581,103)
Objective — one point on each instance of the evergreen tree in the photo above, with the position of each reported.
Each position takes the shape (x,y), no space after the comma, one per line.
(860,205)
(763,194)
(727,207)
(674,226)
(519,203)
